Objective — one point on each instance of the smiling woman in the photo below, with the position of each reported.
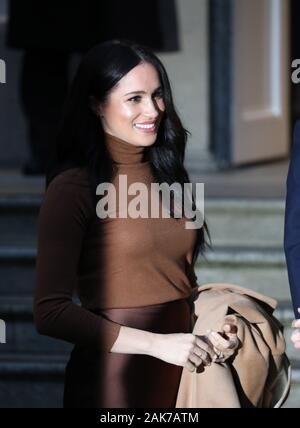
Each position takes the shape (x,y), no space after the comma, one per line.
(134,276)
(135,119)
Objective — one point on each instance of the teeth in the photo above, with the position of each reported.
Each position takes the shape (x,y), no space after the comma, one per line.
(138,125)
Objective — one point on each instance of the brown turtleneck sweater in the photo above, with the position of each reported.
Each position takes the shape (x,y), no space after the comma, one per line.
(110,262)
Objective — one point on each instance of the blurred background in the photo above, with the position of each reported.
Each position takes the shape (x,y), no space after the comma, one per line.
(229,62)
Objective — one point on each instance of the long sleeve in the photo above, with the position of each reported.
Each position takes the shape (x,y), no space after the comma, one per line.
(61,228)
(292,222)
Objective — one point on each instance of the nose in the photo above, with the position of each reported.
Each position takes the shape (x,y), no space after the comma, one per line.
(151,110)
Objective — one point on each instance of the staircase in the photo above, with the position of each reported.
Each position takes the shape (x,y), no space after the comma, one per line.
(247,238)
(31,365)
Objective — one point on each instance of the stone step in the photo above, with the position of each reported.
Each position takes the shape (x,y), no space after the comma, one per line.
(18,220)
(25,375)
(31,381)
(37,381)
(232,223)
(21,334)
(245,223)
(262,270)
(17,270)
(30,364)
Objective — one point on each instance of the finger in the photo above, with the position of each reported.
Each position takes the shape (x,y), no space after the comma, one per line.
(197,361)
(190,366)
(205,346)
(230,345)
(205,357)
(298,309)
(231,342)
(218,341)
(215,343)
(230,329)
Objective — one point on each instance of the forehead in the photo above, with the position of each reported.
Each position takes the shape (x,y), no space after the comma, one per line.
(142,77)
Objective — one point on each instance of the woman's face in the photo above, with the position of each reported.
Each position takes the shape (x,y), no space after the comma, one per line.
(137,99)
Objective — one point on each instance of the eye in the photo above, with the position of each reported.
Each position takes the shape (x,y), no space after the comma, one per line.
(134,99)
(137,98)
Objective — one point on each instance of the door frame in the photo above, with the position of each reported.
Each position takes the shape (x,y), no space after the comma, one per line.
(223,120)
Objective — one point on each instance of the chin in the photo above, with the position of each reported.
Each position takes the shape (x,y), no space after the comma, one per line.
(145,142)
(146,138)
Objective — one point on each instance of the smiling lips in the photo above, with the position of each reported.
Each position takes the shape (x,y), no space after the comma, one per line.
(146,126)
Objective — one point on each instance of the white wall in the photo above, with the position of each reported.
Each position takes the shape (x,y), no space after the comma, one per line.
(188,71)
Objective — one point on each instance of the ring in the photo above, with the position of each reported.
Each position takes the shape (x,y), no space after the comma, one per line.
(221,355)
(201,355)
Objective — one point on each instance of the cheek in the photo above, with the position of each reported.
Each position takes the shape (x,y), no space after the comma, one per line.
(120,113)
(128,112)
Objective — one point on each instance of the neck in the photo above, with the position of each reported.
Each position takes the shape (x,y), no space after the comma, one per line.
(123,152)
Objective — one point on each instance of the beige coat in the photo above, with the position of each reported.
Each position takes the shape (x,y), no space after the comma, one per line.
(260,373)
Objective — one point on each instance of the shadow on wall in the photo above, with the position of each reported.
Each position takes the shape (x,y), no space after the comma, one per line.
(35,54)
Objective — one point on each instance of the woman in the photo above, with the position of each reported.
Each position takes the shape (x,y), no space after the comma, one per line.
(134,276)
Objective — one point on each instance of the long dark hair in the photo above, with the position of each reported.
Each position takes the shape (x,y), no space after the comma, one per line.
(81,139)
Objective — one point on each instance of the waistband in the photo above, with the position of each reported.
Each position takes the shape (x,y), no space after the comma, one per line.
(171,303)
(168,317)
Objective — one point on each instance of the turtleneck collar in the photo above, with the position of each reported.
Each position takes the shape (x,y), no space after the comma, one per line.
(122,152)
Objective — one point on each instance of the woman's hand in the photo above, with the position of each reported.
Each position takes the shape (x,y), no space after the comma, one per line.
(295,337)
(225,344)
(184,349)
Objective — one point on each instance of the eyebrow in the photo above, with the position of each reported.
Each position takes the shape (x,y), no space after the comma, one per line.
(142,92)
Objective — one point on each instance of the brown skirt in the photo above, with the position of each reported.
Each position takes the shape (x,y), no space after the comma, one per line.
(108,380)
